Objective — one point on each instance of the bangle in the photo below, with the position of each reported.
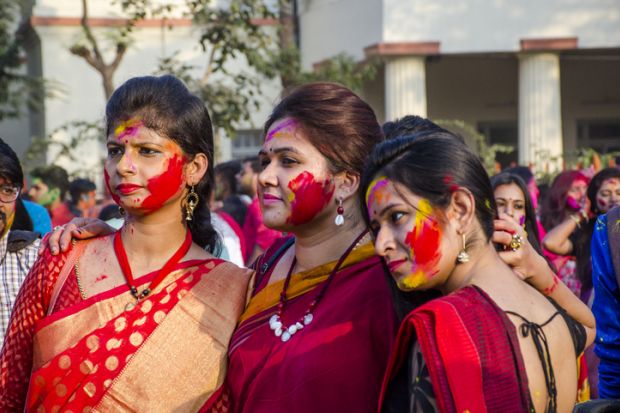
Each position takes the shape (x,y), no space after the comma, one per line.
(576,218)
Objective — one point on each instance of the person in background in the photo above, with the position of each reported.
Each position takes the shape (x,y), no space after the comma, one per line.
(606,305)
(566,206)
(18,248)
(491,341)
(83,198)
(48,189)
(226,197)
(258,237)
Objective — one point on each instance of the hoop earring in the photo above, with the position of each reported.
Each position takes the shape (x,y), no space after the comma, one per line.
(463,256)
(191,201)
(339,213)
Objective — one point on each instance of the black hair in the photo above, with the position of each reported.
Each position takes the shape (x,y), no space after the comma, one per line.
(165,105)
(10,168)
(596,183)
(531,227)
(431,166)
(109,212)
(22,220)
(254,163)
(227,172)
(53,176)
(79,187)
(409,125)
(523,172)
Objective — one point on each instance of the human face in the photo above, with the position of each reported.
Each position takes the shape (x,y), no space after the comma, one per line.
(575,196)
(295,186)
(246,179)
(409,234)
(510,200)
(144,170)
(7,209)
(42,194)
(608,195)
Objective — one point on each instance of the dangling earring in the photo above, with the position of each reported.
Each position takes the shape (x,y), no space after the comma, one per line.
(340,213)
(463,256)
(121,211)
(191,200)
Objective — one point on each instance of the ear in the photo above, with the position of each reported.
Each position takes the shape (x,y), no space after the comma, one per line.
(196,168)
(347,184)
(462,210)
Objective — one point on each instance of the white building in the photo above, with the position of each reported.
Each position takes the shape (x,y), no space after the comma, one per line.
(56,27)
(543,76)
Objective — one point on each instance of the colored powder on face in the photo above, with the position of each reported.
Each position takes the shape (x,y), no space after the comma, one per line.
(572,203)
(107,185)
(376,193)
(602,204)
(308,197)
(129,127)
(450,182)
(164,186)
(522,220)
(284,129)
(424,241)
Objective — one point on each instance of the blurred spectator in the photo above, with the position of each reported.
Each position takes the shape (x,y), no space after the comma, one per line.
(408,125)
(231,238)
(565,208)
(18,249)
(226,197)
(257,236)
(49,186)
(83,201)
(606,306)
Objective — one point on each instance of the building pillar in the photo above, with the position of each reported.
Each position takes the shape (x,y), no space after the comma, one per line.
(405,87)
(540,115)
(405,76)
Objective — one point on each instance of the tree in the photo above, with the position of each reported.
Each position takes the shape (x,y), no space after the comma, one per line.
(17,89)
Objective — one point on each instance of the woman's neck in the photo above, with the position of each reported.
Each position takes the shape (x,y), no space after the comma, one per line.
(484,265)
(325,245)
(150,242)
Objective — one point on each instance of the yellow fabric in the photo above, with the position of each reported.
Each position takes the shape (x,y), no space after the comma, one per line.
(302,282)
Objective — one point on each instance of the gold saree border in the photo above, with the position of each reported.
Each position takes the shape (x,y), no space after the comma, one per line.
(58,336)
(302,282)
(184,360)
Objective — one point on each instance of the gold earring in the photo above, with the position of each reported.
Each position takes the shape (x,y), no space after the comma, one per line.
(121,211)
(463,256)
(191,201)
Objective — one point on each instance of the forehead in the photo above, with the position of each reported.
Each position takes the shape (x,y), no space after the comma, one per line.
(509,191)
(287,133)
(139,134)
(611,182)
(383,193)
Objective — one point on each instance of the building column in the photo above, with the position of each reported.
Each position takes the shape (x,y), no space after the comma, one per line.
(405,87)
(540,115)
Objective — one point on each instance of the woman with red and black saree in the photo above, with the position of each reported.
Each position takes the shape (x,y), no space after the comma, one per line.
(317,332)
(138,320)
(492,342)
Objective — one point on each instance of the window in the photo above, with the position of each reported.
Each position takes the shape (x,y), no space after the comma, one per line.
(247,142)
(602,135)
(502,133)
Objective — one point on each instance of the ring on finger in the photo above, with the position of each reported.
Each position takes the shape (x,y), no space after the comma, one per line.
(516,242)
(57,227)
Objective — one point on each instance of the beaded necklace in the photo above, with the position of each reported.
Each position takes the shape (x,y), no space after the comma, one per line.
(275,322)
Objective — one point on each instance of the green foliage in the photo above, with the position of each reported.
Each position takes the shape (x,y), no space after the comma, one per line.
(477,142)
(17,89)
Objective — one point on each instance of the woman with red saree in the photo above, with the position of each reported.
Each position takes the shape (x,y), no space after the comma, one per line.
(138,320)
(491,343)
(316,334)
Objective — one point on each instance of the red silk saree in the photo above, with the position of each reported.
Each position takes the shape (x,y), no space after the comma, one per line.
(168,353)
(334,364)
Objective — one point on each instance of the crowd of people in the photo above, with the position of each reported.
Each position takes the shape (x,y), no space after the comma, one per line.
(348,267)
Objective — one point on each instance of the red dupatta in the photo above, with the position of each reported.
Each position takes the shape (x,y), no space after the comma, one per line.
(471,351)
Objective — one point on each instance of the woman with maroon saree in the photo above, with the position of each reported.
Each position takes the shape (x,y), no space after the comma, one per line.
(317,332)
(89,334)
(492,343)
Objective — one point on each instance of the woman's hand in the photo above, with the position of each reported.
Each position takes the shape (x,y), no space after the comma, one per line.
(524,261)
(79,228)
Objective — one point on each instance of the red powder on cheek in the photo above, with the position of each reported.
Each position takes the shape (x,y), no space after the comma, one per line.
(425,246)
(310,197)
(164,186)
(107,185)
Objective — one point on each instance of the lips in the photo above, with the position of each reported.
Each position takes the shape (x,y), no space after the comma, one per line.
(127,189)
(393,265)
(269,198)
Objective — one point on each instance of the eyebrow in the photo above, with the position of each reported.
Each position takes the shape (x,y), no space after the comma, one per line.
(279,150)
(134,143)
(387,208)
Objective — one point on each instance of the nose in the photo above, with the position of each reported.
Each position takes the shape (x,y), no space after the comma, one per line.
(126,165)
(508,210)
(384,242)
(268,177)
